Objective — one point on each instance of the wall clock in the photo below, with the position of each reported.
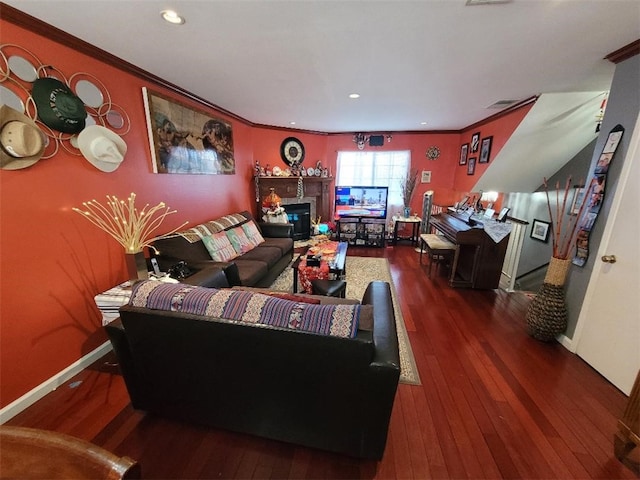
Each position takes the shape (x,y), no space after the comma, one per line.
(292,151)
(432,153)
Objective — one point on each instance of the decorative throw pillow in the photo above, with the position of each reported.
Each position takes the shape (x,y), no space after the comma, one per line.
(219,247)
(239,240)
(252,232)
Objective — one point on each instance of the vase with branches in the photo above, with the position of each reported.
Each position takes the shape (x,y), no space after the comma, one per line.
(407,186)
(547,313)
(132,228)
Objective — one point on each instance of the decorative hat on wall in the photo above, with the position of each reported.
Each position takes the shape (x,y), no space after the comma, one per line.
(21,141)
(58,107)
(104,149)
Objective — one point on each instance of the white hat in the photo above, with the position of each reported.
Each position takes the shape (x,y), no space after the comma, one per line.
(21,141)
(104,149)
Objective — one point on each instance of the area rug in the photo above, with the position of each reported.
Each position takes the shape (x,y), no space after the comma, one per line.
(361,271)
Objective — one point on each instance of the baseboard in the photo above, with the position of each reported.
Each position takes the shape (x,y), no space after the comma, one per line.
(31,397)
(566,342)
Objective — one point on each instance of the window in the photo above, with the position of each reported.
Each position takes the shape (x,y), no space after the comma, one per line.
(380,169)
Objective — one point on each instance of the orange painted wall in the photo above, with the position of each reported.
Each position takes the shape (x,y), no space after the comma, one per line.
(442,169)
(501,129)
(53,262)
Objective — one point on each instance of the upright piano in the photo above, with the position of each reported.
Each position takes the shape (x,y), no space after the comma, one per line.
(478,258)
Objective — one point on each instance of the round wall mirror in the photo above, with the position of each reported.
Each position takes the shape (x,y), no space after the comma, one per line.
(22,68)
(114,118)
(89,93)
(10,98)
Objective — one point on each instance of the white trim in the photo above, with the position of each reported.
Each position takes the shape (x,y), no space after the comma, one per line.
(31,397)
(567,343)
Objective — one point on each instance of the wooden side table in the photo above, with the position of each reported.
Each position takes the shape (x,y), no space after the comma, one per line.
(415,228)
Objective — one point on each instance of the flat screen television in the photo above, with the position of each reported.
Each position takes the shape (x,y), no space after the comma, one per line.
(368,202)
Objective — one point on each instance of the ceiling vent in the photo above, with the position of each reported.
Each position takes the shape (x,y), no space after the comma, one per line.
(485,2)
(502,104)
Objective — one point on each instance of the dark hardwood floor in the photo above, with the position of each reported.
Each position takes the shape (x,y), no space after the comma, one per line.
(494,403)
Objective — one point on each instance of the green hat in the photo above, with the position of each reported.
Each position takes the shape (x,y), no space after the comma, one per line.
(58,107)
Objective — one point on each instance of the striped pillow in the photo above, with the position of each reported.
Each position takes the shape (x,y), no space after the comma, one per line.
(219,247)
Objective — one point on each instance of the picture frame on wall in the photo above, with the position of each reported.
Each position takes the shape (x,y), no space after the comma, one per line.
(485,149)
(187,140)
(464,152)
(426,176)
(475,142)
(471,166)
(540,230)
(578,198)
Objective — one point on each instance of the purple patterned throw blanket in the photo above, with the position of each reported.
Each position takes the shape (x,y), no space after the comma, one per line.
(247,307)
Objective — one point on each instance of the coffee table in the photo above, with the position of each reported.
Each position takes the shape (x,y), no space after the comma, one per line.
(336,266)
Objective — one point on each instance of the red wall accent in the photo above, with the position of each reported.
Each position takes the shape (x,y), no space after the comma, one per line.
(442,170)
(53,262)
(501,128)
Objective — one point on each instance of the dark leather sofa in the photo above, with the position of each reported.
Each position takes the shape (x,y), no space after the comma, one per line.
(256,268)
(314,390)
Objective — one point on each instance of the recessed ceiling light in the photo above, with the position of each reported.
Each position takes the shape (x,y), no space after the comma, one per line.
(172,16)
(423,123)
(354,95)
(292,123)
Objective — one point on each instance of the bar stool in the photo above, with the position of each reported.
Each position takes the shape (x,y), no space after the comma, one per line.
(329,288)
(438,249)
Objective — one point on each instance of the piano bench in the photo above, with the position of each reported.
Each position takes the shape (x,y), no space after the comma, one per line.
(438,249)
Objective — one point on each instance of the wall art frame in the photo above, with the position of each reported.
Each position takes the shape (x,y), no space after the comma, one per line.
(464,152)
(475,142)
(187,140)
(471,166)
(594,196)
(426,176)
(540,230)
(578,198)
(485,149)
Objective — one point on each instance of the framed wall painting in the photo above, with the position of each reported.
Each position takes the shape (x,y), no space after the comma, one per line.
(471,166)
(475,142)
(464,151)
(187,140)
(485,149)
(540,230)
(426,176)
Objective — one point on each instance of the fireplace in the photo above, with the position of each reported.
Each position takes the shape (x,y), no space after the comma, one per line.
(300,216)
(315,190)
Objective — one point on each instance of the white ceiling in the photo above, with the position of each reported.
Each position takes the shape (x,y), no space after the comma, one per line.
(436,61)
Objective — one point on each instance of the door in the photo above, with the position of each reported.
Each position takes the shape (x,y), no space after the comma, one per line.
(608,329)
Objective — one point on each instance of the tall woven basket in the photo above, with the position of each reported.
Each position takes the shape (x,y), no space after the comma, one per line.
(547,312)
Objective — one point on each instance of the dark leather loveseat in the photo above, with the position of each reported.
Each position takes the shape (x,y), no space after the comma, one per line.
(257,268)
(315,390)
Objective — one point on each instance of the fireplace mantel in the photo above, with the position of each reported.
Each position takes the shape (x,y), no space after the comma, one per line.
(287,187)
